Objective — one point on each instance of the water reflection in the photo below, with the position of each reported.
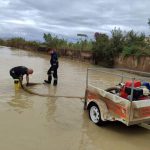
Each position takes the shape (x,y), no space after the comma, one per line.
(23,53)
(51,103)
(111,134)
(19,101)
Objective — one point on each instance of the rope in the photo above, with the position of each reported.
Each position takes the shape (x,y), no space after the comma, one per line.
(46,95)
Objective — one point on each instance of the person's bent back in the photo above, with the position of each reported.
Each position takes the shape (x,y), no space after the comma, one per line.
(19,71)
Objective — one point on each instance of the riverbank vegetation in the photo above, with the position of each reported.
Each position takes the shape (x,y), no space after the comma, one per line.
(21,43)
(121,43)
(104,48)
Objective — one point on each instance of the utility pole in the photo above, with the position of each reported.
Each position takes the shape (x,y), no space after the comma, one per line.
(81,35)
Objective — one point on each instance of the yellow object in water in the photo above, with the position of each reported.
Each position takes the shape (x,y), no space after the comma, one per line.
(17,84)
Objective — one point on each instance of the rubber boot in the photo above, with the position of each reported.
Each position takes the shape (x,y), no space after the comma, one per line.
(17,84)
(55,82)
(46,81)
(49,79)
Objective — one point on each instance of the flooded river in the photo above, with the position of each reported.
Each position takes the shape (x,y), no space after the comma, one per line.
(31,122)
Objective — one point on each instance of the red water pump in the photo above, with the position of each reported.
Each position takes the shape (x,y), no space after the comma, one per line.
(126,89)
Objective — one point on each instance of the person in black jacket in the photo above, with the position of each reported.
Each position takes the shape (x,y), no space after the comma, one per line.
(53,68)
(19,71)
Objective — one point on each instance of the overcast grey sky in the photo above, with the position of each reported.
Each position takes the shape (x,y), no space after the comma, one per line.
(31,18)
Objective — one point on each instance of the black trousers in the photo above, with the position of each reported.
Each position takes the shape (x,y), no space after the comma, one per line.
(52,72)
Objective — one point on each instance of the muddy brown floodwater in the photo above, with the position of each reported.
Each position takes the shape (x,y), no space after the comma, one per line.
(30,122)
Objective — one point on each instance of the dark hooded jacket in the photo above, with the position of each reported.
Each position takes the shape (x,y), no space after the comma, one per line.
(54,60)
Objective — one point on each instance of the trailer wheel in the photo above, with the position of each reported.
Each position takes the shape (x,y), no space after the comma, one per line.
(95,115)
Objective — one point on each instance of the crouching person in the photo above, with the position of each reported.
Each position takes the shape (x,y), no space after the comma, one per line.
(19,71)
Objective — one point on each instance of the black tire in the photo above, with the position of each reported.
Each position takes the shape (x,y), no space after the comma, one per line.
(95,115)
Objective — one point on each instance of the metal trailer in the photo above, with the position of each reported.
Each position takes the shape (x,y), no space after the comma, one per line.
(106,104)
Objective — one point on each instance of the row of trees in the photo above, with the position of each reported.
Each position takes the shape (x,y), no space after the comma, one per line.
(126,43)
(49,42)
(105,48)
(55,42)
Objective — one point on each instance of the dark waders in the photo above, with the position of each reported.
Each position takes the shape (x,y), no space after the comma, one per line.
(52,72)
